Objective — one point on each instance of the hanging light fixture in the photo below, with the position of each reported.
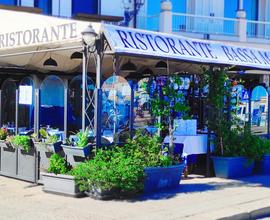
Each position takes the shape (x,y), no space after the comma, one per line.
(76,56)
(147,72)
(50,63)
(161,65)
(128,67)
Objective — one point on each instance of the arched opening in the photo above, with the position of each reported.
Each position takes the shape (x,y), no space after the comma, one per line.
(75,103)
(26,104)
(52,103)
(259,110)
(8,102)
(115,106)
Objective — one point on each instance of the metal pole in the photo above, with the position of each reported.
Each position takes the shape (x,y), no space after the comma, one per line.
(16,111)
(37,108)
(84,75)
(135,14)
(208,135)
(131,112)
(1,107)
(249,111)
(65,108)
(98,94)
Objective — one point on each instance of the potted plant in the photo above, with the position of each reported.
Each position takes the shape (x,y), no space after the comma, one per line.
(8,155)
(78,150)
(58,180)
(240,151)
(235,148)
(46,146)
(138,166)
(49,142)
(26,159)
(161,169)
(168,102)
(110,174)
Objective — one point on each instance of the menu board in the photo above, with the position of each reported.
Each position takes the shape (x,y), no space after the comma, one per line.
(25,95)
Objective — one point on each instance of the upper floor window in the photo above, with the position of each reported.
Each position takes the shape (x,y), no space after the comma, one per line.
(29,3)
(62,8)
(44,5)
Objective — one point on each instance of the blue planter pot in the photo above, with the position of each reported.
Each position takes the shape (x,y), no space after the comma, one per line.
(263,167)
(232,167)
(157,178)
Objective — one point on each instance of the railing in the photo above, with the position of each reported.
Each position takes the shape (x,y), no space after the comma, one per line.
(258,29)
(150,22)
(204,24)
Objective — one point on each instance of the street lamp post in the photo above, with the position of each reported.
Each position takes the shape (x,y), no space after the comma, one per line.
(92,44)
(131,11)
(88,36)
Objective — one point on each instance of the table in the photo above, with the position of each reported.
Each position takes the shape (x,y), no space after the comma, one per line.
(193,144)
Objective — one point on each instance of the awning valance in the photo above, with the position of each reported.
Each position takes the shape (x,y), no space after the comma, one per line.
(23,35)
(168,46)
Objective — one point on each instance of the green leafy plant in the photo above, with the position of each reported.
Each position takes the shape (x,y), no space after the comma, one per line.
(21,141)
(49,139)
(148,151)
(110,170)
(3,133)
(58,165)
(167,102)
(83,139)
(121,169)
(231,140)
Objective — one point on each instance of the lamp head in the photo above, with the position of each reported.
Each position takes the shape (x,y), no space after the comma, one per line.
(88,34)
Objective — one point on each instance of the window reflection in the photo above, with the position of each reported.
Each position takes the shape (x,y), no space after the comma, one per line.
(115,107)
(259,110)
(26,104)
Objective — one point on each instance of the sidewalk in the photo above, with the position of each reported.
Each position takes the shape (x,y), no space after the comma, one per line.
(197,198)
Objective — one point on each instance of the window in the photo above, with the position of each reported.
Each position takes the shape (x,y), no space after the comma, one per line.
(61,8)
(44,5)
(29,3)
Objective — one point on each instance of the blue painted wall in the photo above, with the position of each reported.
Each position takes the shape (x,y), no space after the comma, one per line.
(8,2)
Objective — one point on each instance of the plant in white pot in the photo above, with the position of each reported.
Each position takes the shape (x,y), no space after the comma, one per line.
(26,157)
(57,179)
(48,142)
(79,150)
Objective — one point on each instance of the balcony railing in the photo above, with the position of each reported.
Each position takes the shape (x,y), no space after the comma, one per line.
(204,24)
(207,25)
(150,22)
(258,29)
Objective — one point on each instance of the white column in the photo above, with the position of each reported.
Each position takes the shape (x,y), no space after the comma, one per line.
(240,5)
(241,26)
(165,19)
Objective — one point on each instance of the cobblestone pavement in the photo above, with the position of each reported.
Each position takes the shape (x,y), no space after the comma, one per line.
(196,198)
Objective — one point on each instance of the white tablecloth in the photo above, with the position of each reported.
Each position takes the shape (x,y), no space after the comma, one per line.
(195,144)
